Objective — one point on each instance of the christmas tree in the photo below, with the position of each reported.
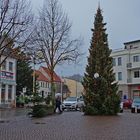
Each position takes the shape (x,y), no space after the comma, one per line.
(100,89)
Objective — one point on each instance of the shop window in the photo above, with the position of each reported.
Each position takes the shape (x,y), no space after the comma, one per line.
(3,92)
(136,94)
(9,92)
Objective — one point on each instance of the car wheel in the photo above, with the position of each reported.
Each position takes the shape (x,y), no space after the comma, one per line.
(132,110)
(76,108)
(63,109)
(138,110)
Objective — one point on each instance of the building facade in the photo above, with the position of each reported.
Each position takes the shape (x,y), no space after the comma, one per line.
(126,66)
(8,82)
(75,87)
(44,81)
(43,84)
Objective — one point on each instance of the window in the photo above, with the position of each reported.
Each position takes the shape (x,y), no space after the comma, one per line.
(42,93)
(120,93)
(39,83)
(115,76)
(9,92)
(136,94)
(119,61)
(10,66)
(3,65)
(135,58)
(114,62)
(46,84)
(136,74)
(3,93)
(119,76)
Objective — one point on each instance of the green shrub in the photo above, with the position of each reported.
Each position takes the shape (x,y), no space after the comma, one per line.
(40,113)
(42,110)
(37,99)
(48,99)
(90,110)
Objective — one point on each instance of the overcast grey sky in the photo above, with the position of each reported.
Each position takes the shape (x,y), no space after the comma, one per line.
(122,18)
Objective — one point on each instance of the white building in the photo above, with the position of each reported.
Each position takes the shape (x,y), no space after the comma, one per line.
(75,87)
(8,82)
(44,81)
(126,65)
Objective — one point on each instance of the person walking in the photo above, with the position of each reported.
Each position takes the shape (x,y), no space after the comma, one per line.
(58,104)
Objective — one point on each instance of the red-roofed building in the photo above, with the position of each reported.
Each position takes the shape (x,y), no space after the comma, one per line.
(44,84)
(40,76)
(47,73)
(44,81)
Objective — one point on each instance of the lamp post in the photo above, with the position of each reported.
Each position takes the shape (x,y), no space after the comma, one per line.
(0,85)
(0,80)
(33,75)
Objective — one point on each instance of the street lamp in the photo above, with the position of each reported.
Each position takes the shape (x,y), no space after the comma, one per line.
(96,75)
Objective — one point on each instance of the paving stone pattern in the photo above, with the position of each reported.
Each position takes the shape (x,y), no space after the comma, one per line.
(72,125)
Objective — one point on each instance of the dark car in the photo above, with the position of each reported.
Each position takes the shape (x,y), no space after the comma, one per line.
(127,103)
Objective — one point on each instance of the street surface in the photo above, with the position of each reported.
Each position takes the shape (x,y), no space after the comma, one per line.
(70,125)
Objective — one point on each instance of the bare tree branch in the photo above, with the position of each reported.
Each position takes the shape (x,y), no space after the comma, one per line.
(52,36)
(15,25)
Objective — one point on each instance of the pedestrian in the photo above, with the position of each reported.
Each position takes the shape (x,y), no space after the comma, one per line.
(58,104)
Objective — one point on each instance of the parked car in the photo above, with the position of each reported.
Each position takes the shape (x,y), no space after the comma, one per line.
(135,105)
(70,103)
(80,103)
(121,107)
(127,103)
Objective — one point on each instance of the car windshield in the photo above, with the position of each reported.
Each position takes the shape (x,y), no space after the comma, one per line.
(71,99)
(81,99)
(137,101)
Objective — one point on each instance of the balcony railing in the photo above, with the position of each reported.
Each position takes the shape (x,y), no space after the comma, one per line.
(129,65)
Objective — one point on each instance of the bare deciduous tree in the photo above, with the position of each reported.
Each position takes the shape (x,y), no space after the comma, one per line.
(52,36)
(15,23)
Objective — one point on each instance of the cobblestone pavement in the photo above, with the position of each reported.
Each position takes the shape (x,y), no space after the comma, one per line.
(72,126)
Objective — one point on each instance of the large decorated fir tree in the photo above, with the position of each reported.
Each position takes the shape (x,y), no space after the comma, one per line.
(100,89)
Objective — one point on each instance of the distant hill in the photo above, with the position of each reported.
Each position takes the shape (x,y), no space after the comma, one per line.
(76,77)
